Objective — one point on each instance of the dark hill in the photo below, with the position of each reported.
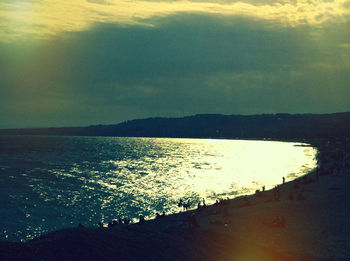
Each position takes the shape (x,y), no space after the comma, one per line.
(275,126)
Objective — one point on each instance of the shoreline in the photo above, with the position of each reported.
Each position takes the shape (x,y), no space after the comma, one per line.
(254,227)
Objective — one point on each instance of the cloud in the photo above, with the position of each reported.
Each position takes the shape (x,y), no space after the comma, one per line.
(43,19)
(183,64)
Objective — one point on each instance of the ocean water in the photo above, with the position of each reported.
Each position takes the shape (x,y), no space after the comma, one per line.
(48,183)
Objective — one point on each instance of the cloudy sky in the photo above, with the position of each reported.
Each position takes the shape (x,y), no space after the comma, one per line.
(83,62)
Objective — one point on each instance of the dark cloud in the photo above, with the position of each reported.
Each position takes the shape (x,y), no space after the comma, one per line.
(182,65)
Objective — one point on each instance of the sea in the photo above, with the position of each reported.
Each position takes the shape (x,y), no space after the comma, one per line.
(53,182)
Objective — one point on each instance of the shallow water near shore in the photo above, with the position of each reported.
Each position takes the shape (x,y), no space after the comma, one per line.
(48,183)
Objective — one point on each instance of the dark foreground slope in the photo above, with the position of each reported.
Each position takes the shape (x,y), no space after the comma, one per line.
(135,242)
(276,126)
(309,220)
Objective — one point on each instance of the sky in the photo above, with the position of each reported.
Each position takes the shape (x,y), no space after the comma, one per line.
(86,62)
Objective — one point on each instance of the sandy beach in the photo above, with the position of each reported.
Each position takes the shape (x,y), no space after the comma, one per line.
(306,219)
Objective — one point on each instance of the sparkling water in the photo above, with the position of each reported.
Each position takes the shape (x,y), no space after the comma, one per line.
(48,183)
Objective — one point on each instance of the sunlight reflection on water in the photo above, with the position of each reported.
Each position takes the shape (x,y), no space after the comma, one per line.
(88,179)
(200,168)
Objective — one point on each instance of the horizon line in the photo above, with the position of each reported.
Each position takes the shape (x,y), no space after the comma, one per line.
(166,117)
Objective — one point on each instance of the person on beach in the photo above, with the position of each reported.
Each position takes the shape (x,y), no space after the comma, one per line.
(186,206)
(142,219)
(284,180)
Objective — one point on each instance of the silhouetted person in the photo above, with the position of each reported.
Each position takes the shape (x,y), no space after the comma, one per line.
(186,206)
(180,203)
(204,203)
(100,224)
(284,180)
(142,219)
(157,215)
(110,224)
(120,220)
(163,214)
(263,188)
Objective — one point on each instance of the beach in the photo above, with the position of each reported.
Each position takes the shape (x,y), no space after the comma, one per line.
(305,219)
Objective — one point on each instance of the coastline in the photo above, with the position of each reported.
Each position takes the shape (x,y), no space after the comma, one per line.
(256,227)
